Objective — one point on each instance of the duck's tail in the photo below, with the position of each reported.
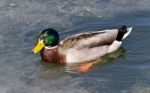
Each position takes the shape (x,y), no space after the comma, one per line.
(123,32)
(128,32)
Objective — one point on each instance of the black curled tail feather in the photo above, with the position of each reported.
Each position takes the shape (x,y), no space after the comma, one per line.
(121,32)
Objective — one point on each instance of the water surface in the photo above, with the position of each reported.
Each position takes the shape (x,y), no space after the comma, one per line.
(126,71)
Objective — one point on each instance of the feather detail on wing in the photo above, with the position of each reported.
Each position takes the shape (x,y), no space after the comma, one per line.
(90,39)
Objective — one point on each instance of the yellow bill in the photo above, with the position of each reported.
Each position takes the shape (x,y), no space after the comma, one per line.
(40,45)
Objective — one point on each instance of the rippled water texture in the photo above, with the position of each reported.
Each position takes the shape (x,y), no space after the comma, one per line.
(125,71)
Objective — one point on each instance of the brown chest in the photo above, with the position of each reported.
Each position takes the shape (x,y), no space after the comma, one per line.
(52,56)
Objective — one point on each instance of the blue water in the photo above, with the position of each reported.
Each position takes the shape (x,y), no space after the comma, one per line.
(124,71)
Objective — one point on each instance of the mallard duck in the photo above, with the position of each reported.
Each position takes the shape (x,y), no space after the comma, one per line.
(81,47)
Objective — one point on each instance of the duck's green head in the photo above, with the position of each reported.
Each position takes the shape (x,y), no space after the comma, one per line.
(48,37)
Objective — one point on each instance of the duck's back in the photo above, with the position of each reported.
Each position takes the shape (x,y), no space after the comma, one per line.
(90,39)
(88,46)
